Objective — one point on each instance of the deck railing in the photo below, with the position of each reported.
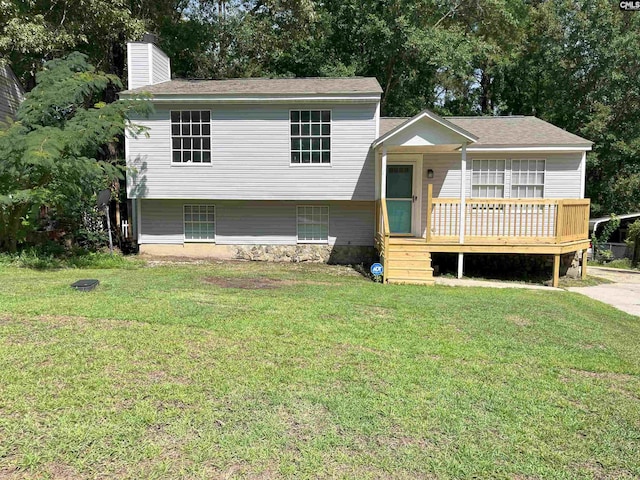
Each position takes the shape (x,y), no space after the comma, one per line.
(508,220)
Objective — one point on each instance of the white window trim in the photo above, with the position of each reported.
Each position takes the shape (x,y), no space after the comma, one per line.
(192,164)
(320,242)
(507,162)
(325,165)
(184,220)
(544,171)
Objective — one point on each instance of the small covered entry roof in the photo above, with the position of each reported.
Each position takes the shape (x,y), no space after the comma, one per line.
(412,132)
(513,131)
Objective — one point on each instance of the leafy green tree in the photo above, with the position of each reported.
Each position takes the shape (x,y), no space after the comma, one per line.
(579,68)
(55,154)
(633,237)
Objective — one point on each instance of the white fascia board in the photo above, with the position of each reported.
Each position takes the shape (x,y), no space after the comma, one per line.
(550,148)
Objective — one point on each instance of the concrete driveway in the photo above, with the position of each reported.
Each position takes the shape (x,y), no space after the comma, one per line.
(624,293)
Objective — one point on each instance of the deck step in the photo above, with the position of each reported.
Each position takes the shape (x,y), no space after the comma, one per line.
(419,264)
(409,262)
(410,281)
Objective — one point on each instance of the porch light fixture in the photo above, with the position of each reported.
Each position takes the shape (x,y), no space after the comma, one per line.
(429,173)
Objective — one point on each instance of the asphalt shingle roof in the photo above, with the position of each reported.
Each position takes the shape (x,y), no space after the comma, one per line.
(264,86)
(504,131)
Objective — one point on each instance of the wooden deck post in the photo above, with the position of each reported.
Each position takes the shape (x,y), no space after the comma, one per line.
(463,205)
(383,176)
(556,270)
(429,210)
(584,264)
(463,178)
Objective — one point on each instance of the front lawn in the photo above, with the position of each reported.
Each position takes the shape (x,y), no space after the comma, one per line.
(234,370)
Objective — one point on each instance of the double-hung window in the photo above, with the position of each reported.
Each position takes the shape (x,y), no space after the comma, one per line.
(310,137)
(313,223)
(191,137)
(487,178)
(199,223)
(527,178)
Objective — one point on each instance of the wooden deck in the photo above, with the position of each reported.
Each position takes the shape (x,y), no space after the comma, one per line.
(519,226)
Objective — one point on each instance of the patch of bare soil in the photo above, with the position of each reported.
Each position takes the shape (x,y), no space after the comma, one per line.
(256,283)
(246,283)
(604,375)
(519,321)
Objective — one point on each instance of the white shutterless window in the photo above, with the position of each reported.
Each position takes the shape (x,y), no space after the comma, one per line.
(312,223)
(487,178)
(527,178)
(190,137)
(199,223)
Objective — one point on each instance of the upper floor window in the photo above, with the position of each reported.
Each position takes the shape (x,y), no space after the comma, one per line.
(487,178)
(310,136)
(527,178)
(191,136)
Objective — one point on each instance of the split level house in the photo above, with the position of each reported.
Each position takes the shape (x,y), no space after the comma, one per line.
(283,168)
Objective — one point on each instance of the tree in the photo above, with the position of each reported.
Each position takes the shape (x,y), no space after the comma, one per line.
(579,68)
(54,155)
(634,238)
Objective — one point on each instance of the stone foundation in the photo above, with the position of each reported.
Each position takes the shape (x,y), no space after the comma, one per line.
(342,254)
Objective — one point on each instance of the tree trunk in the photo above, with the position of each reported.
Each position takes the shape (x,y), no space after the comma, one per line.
(636,253)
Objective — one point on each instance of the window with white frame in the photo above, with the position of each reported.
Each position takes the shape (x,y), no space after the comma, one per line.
(310,137)
(313,224)
(191,137)
(527,178)
(199,223)
(487,178)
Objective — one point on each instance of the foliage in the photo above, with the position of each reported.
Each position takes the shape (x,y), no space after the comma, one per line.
(633,236)
(43,258)
(599,239)
(54,155)
(571,62)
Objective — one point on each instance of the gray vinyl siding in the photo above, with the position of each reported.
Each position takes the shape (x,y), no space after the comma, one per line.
(11,93)
(257,222)
(138,65)
(250,150)
(160,71)
(563,177)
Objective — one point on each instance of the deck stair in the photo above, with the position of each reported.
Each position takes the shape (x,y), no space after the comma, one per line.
(408,261)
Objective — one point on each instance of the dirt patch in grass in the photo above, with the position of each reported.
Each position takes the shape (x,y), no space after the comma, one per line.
(519,321)
(604,375)
(256,283)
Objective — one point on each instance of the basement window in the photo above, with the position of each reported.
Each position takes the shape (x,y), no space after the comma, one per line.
(313,224)
(199,223)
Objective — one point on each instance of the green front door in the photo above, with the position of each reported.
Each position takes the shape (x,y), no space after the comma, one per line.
(400,197)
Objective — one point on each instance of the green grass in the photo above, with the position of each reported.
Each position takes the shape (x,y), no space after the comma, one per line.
(161,374)
(623,263)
